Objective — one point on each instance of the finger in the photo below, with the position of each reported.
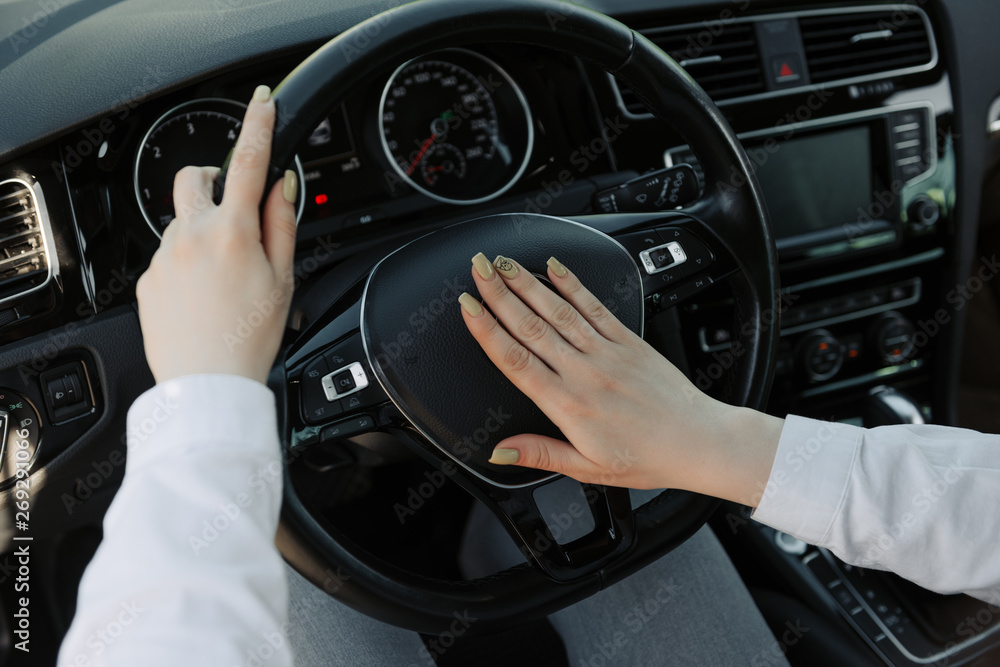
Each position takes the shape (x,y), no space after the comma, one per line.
(596,313)
(278,234)
(247,171)
(515,361)
(193,191)
(544,453)
(522,322)
(555,310)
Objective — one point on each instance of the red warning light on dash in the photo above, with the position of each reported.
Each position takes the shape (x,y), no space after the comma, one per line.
(321,199)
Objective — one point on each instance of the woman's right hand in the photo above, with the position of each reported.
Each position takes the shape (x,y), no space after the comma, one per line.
(631,418)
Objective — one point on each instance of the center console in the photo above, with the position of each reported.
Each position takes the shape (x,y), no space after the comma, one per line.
(854,154)
(857,204)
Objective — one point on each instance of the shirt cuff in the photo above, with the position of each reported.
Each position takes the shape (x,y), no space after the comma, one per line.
(196,412)
(809,477)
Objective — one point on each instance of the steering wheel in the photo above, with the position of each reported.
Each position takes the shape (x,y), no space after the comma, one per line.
(433,388)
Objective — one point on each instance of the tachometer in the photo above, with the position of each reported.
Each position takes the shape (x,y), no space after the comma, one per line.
(200,132)
(456,127)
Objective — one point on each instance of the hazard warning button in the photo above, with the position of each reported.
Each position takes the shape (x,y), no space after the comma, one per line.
(786,69)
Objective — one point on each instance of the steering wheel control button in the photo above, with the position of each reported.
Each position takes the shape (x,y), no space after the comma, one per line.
(346,355)
(345,381)
(662,257)
(67,392)
(316,406)
(56,393)
(316,370)
(674,297)
(661,190)
(347,428)
(699,257)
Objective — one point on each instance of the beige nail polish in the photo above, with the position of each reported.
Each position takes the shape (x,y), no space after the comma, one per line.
(507,268)
(470,305)
(483,266)
(291,186)
(557,267)
(505,457)
(262,94)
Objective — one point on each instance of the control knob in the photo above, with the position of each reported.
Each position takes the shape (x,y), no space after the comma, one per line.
(821,355)
(892,335)
(923,212)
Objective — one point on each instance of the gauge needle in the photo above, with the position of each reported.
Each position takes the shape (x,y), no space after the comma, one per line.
(420,155)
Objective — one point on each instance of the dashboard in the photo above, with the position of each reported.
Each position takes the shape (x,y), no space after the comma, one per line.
(864,122)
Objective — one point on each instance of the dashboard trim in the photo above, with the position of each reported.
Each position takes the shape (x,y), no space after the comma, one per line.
(888,74)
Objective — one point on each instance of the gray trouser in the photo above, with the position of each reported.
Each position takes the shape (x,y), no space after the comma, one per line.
(688,608)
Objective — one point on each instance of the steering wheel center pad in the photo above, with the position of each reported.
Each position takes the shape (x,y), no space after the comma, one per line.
(431,366)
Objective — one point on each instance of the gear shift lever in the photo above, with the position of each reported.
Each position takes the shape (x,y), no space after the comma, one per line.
(886,405)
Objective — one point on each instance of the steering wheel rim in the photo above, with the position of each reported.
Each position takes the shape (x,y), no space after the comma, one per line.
(739,229)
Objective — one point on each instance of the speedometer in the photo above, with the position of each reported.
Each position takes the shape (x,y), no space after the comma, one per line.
(455,127)
(200,132)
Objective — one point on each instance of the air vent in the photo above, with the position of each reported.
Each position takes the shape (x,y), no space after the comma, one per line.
(848,46)
(24,262)
(725,64)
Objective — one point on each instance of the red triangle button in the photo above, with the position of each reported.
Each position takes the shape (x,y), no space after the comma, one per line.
(786,71)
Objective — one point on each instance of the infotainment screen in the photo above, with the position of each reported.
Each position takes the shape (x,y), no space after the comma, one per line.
(816,182)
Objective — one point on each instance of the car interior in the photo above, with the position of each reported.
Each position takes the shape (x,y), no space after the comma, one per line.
(796,202)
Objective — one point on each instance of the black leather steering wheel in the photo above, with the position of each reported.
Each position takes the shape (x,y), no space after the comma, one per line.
(440,408)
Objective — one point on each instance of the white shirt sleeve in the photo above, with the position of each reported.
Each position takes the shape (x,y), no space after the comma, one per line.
(920,501)
(187,572)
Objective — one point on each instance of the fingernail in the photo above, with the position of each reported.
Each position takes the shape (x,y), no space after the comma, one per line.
(557,267)
(506,267)
(505,457)
(483,266)
(262,94)
(291,187)
(470,305)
